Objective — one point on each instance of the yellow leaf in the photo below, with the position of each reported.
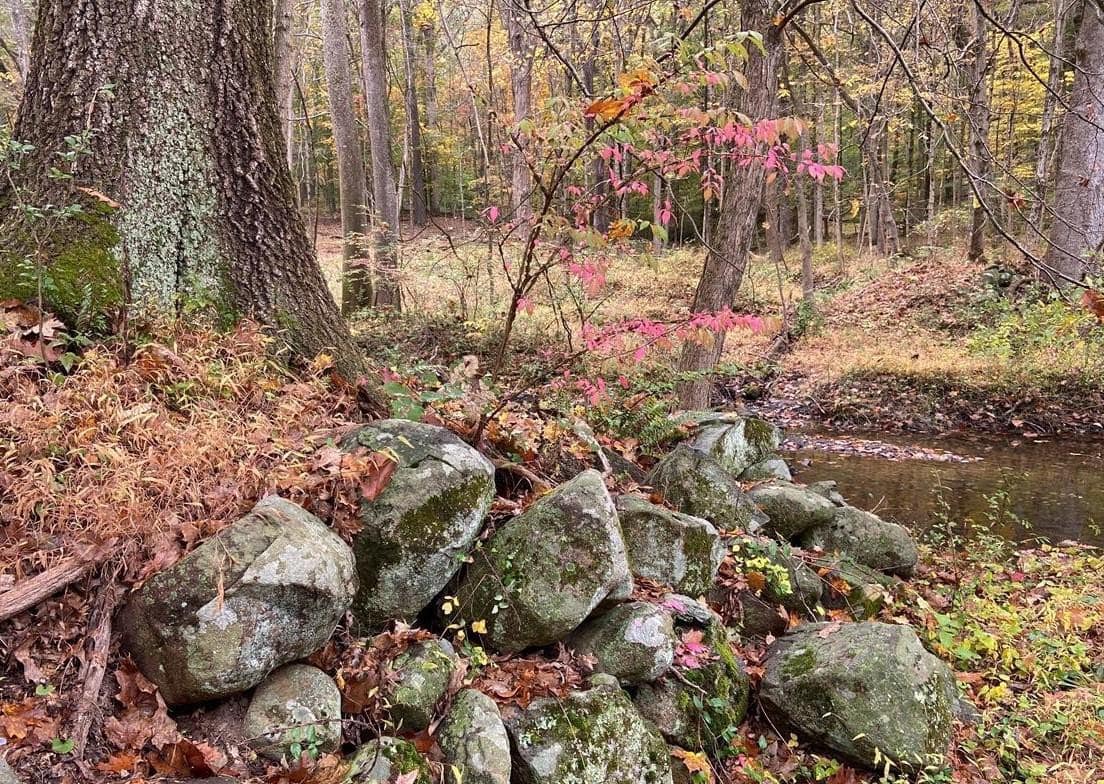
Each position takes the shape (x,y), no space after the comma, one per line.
(637,79)
(479,627)
(695,762)
(622,229)
(605,108)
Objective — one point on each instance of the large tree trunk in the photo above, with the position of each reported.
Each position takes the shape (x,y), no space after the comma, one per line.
(419,206)
(284,71)
(384,189)
(356,286)
(978,115)
(521,85)
(728,255)
(1077,236)
(189,144)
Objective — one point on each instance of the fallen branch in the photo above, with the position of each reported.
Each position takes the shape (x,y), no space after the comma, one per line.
(28,593)
(94,667)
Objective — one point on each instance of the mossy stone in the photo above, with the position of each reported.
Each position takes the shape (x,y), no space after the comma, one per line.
(473,739)
(739,444)
(866,691)
(696,484)
(296,706)
(866,539)
(672,548)
(422,676)
(633,642)
(383,760)
(419,530)
(791,509)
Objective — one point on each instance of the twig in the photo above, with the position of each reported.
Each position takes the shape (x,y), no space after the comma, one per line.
(28,593)
(92,671)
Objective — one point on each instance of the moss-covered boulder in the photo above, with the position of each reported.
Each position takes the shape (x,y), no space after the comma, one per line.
(633,642)
(791,509)
(417,533)
(829,489)
(688,611)
(866,691)
(545,571)
(473,739)
(772,468)
(589,737)
(267,590)
(295,709)
(866,539)
(384,760)
(669,547)
(422,676)
(738,444)
(703,708)
(696,484)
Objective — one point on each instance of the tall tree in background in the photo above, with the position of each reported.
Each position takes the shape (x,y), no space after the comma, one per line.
(189,145)
(978,115)
(514,19)
(727,257)
(385,199)
(1077,236)
(284,69)
(419,204)
(21,34)
(352,185)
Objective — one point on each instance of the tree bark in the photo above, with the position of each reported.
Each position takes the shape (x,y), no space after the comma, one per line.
(521,87)
(433,184)
(978,116)
(1044,151)
(419,206)
(188,143)
(284,71)
(21,33)
(728,255)
(384,190)
(356,286)
(1077,237)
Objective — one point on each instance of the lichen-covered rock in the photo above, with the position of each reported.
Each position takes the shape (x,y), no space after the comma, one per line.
(866,539)
(267,590)
(787,579)
(589,737)
(384,760)
(867,691)
(772,468)
(703,708)
(473,738)
(633,642)
(544,572)
(829,489)
(672,548)
(858,589)
(696,484)
(297,708)
(791,509)
(418,531)
(740,444)
(688,610)
(422,676)
(7,775)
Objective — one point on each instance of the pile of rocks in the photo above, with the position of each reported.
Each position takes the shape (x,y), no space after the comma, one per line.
(240,611)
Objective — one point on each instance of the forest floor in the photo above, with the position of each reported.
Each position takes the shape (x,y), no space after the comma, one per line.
(921,343)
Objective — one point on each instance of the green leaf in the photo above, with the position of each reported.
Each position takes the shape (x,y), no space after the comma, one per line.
(59,746)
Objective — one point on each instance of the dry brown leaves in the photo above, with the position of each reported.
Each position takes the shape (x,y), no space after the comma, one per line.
(516,682)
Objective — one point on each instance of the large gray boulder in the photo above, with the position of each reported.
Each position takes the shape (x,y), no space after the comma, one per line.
(866,539)
(633,642)
(696,484)
(702,708)
(297,708)
(545,571)
(772,468)
(422,676)
(792,509)
(588,737)
(267,590)
(739,443)
(672,548)
(384,760)
(417,533)
(473,738)
(866,691)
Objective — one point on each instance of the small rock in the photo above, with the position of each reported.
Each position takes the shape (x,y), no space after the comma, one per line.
(297,708)
(720,686)
(739,445)
(633,642)
(418,531)
(588,737)
(422,676)
(473,738)
(675,549)
(267,590)
(696,484)
(866,539)
(773,468)
(383,760)
(829,489)
(792,509)
(687,610)
(866,691)
(545,571)
(7,775)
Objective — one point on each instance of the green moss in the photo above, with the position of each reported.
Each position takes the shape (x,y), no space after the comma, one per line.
(761,435)
(799,664)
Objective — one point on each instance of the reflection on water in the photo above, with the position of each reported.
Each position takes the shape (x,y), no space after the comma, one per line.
(1055,486)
